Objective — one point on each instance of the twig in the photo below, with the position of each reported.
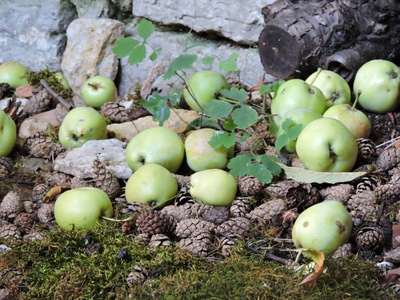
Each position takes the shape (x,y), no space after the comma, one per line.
(266,254)
(55,95)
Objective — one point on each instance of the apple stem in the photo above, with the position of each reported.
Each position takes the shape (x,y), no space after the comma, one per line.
(319,70)
(356,100)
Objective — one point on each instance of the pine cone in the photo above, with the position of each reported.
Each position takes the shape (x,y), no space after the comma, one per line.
(25,221)
(184,196)
(198,242)
(41,146)
(388,159)
(340,192)
(10,232)
(77,182)
(105,180)
(215,214)
(240,207)
(11,206)
(46,213)
(159,240)
(60,112)
(186,227)
(183,181)
(343,251)
(155,222)
(138,275)
(368,183)
(296,194)
(38,103)
(78,101)
(32,236)
(363,206)
(366,149)
(6,166)
(239,227)
(115,112)
(249,186)
(226,245)
(38,192)
(387,192)
(58,178)
(267,211)
(370,238)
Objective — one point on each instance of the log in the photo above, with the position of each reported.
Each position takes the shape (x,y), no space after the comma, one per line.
(300,36)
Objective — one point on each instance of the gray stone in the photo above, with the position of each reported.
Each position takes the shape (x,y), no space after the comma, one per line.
(238,20)
(89,50)
(173,44)
(33,32)
(95,8)
(79,161)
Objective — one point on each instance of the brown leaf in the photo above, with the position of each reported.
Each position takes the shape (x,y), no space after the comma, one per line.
(56,190)
(25,91)
(319,258)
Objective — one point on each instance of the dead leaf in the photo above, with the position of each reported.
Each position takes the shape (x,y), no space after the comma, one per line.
(55,191)
(319,258)
(25,91)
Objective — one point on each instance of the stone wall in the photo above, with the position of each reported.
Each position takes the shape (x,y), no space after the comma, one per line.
(77,36)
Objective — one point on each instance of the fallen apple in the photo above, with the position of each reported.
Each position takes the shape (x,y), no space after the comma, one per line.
(81,208)
(213,187)
(326,145)
(80,125)
(151,184)
(98,90)
(324,227)
(8,133)
(13,73)
(157,145)
(200,155)
(202,87)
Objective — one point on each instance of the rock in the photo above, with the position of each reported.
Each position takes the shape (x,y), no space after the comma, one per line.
(29,127)
(94,8)
(128,130)
(33,32)
(89,50)
(79,161)
(48,116)
(173,44)
(237,20)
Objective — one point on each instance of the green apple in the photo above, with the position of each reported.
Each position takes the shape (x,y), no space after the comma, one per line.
(80,125)
(81,208)
(8,133)
(202,87)
(151,184)
(296,93)
(200,155)
(326,145)
(98,90)
(302,116)
(379,83)
(324,227)
(354,119)
(334,87)
(213,187)
(61,78)
(157,145)
(13,73)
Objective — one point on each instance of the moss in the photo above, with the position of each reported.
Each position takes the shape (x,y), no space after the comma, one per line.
(64,266)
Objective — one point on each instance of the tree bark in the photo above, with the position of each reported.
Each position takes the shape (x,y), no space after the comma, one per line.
(300,36)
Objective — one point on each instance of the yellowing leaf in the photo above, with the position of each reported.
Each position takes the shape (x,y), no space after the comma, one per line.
(308,176)
(319,258)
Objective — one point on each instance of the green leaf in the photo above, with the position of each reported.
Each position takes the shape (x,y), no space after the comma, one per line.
(244,137)
(152,102)
(273,127)
(174,98)
(182,62)
(153,56)
(208,60)
(244,116)
(222,139)
(261,172)
(294,131)
(239,165)
(277,84)
(124,46)
(200,123)
(161,113)
(235,94)
(227,65)
(217,109)
(265,89)
(281,141)
(308,176)
(271,163)
(137,54)
(233,56)
(286,124)
(145,28)
(229,124)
